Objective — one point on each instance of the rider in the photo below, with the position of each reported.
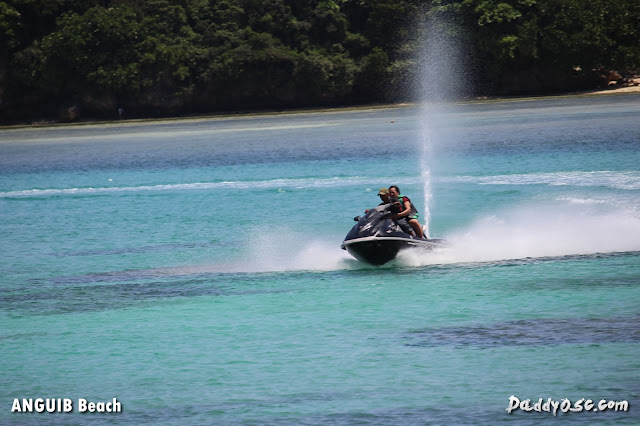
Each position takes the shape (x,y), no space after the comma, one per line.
(408,212)
(384,197)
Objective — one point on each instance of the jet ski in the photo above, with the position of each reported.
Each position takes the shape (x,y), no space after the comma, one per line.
(376,239)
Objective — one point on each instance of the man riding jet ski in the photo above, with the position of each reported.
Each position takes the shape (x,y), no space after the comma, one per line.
(376,238)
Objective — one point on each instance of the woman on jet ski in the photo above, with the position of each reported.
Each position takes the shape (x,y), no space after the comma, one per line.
(408,210)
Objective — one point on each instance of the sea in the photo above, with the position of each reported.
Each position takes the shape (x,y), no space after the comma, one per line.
(192,270)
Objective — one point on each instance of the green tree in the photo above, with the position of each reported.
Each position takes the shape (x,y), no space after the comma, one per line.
(93,52)
(174,56)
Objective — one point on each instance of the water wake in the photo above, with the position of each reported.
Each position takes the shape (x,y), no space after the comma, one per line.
(278,250)
(521,233)
(534,232)
(282,249)
(540,231)
(553,230)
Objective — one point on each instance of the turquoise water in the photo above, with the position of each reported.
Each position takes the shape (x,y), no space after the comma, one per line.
(192,269)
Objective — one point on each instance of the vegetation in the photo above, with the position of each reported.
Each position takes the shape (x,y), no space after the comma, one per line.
(163,57)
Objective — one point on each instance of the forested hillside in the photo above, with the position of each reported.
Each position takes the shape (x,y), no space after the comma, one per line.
(169,57)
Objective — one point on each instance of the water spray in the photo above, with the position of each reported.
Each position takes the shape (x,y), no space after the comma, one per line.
(440,80)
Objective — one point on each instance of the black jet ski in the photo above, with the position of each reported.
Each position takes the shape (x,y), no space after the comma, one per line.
(376,239)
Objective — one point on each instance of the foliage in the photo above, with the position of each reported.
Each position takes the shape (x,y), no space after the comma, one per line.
(176,56)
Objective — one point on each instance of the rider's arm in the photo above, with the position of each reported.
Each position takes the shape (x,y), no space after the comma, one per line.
(407,210)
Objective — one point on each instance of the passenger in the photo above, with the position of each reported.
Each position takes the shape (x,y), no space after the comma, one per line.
(408,210)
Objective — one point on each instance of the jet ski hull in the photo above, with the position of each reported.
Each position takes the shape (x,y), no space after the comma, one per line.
(380,250)
(376,239)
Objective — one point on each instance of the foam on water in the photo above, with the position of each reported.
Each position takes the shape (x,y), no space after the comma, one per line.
(278,249)
(281,249)
(626,180)
(552,230)
(248,184)
(534,232)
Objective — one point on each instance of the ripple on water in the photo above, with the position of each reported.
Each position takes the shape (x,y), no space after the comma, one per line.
(531,332)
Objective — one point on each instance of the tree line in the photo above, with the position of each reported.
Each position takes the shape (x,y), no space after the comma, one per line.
(171,57)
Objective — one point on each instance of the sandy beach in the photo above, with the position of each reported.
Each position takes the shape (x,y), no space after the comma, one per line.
(632,87)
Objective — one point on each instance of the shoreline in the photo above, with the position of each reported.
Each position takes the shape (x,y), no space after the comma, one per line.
(611,90)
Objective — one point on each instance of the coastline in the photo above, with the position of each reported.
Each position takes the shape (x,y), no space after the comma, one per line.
(613,89)
(633,88)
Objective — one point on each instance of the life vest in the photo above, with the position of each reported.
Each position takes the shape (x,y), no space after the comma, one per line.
(414,211)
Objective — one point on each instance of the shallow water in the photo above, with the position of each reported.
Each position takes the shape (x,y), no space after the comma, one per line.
(193,270)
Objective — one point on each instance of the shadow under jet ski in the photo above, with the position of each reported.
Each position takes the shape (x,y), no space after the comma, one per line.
(376,239)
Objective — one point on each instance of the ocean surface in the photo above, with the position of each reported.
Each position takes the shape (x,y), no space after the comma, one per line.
(192,268)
